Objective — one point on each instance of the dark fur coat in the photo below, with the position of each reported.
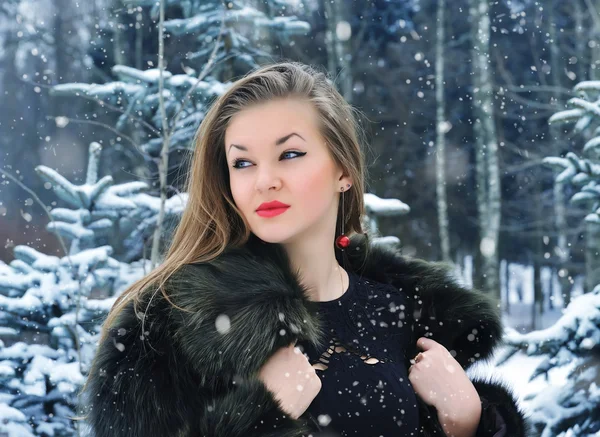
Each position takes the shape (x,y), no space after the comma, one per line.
(165,372)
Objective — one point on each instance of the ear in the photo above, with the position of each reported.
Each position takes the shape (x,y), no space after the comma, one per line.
(343,181)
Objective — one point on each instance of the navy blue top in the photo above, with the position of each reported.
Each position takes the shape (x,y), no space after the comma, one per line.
(365,388)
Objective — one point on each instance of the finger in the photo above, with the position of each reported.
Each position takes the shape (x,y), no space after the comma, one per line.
(416,359)
(425,343)
(413,376)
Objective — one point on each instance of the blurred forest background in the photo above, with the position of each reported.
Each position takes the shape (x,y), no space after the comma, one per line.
(483,151)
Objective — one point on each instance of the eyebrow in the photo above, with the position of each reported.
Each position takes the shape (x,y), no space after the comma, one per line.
(277,143)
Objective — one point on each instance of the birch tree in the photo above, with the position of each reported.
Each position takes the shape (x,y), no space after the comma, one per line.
(441,128)
(486,147)
(563,250)
(337,41)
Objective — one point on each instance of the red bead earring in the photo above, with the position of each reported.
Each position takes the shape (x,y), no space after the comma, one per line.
(343,241)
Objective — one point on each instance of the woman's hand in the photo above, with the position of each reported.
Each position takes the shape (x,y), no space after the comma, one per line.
(440,381)
(290,377)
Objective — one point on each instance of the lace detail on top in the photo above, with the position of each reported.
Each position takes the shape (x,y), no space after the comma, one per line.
(369,319)
(336,346)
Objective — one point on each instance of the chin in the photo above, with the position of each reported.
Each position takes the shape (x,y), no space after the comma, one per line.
(273,236)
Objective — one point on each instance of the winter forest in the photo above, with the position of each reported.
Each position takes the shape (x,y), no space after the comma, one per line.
(482,123)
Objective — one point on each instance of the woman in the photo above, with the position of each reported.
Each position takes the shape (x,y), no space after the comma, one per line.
(257,324)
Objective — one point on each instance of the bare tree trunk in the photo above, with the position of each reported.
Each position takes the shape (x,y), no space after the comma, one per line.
(441,123)
(163,163)
(507,288)
(564,251)
(338,46)
(560,213)
(551,289)
(119,38)
(332,59)
(592,255)
(580,39)
(136,132)
(488,174)
(61,47)
(538,301)
(139,39)
(594,12)
(458,260)
(538,254)
(228,70)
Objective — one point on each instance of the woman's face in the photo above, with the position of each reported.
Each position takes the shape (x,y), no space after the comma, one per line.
(287,160)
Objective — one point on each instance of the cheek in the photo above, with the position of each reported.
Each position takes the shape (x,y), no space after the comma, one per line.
(239,192)
(315,179)
(312,186)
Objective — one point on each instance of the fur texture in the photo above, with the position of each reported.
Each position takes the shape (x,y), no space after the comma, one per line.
(165,372)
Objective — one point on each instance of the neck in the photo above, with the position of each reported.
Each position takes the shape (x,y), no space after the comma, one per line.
(323,275)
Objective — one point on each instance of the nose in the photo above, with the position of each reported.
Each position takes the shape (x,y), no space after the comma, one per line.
(266,179)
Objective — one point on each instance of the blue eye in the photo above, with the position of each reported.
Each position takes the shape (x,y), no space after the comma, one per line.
(238,160)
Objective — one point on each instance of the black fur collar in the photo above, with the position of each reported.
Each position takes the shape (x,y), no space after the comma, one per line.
(264,305)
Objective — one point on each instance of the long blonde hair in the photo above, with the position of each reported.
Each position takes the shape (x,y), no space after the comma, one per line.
(211,221)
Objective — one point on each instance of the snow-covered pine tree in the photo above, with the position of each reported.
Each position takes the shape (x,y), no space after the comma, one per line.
(51,308)
(220,34)
(228,37)
(570,407)
(583,173)
(377,207)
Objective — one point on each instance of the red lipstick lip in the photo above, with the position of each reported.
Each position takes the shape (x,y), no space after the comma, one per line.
(273,212)
(272,205)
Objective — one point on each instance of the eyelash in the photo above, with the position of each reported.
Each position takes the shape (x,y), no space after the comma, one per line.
(236,161)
